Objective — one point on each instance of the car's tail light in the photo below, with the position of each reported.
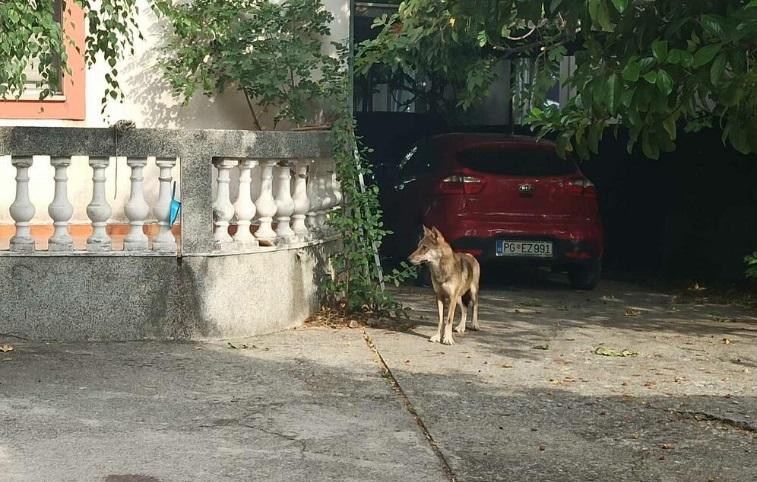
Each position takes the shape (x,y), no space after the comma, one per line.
(461,184)
(582,187)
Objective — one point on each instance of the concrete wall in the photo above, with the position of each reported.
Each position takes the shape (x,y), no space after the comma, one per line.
(149,103)
(69,298)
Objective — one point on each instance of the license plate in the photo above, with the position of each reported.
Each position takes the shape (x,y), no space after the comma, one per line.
(538,249)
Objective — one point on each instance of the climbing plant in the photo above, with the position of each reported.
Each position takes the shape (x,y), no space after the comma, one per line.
(357,287)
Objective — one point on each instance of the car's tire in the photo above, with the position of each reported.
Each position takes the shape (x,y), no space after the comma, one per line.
(585,276)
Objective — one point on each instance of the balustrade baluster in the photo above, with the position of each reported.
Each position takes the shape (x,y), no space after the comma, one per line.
(61,208)
(223,210)
(284,206)
(314,196)
(326,199)
(165,240)
(22,210)
(266,204)
(301,201)
(98,209)
(136,208)
(244,207)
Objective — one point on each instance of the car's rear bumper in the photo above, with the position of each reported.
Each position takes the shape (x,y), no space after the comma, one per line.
(572,242)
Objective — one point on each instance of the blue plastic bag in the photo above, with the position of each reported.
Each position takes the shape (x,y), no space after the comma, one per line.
(175,207)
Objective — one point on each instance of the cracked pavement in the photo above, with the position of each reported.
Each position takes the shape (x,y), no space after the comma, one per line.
(527,398)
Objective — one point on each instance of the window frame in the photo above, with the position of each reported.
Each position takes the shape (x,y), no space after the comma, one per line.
(71,105)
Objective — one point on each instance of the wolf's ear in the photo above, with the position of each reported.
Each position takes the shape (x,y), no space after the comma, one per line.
(427,232)
(437,234)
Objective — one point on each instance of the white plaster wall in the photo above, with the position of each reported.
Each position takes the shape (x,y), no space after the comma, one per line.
(149,103)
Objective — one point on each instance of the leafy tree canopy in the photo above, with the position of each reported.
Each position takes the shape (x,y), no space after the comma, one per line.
(650,66)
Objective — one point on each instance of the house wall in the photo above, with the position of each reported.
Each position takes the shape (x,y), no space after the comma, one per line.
(149,103)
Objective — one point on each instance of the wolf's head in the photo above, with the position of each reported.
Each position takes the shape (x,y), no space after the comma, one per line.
(429,248)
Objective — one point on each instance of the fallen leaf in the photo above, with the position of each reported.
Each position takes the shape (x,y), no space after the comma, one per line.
(6,348)
(667,446)
(632,312)
(541,347)
(604,351)
(726,341)
(542,448)
(505,365)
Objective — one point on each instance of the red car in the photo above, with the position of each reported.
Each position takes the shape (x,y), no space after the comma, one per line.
(498,197)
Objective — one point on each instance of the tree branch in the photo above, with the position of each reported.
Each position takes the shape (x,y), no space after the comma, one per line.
(252,111)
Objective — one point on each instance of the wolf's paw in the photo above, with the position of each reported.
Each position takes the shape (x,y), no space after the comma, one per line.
(435,339)
(475,327)
(448,341)
(460,328)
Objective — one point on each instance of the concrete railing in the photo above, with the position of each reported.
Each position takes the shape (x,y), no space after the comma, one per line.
(240,191)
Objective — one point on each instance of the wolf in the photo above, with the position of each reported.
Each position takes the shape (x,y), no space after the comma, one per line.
(455,277)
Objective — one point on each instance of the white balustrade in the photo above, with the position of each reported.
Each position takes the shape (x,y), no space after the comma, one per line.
(136,208)
(60,209)
(266,204)
(164,241)
(284,206)
(223,210)
(99,210)
(22,210)
(244,207)
(297,203)
(301,201)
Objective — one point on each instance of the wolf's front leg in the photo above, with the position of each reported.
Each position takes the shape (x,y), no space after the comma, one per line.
(447,338)
(438,337)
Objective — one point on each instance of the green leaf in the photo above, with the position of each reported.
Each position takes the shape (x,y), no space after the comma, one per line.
(712,25)
(615,85)
(717,69)
(600,15)
(482,38)
(670,127)
(631,72)
(651,77)
(649,147)
(705,55)
(660,50)
(620,5)
(646,63)
(664,82)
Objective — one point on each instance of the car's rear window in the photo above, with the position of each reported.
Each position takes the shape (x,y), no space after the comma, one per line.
(512,161)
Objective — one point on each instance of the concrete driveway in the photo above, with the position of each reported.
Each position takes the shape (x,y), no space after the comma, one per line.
(527,398)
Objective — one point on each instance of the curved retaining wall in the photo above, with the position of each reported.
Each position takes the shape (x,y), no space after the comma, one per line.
(151,297)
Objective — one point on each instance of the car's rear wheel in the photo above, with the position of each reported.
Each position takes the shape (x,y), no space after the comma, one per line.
(585,276)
